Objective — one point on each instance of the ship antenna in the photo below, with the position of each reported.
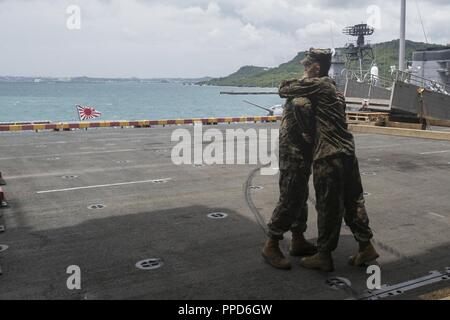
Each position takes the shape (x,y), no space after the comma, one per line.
(362,53)
(421,22)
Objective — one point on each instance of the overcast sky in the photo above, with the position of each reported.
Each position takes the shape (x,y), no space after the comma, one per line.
(190,38)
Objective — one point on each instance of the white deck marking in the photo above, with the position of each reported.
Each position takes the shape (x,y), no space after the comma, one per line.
(435,152)
(103,186)
(436,215)
(391,145)
(69,154)
(96,170)
(383,146)
(132,137)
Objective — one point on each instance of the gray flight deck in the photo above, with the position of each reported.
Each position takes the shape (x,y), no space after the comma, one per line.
(49,228)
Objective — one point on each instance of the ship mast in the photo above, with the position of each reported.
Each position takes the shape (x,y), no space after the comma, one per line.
(402,57)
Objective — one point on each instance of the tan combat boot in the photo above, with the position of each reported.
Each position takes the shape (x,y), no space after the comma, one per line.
(321,261)
(273,255)
(300,247)
(366,254)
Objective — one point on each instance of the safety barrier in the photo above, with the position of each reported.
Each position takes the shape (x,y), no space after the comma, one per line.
(357,128)
(24,122)
(65,126)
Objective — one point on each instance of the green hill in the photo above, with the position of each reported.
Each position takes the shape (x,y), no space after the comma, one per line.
(240,76)
(386,55)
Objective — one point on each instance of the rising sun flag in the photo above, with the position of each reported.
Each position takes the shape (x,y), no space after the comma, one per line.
(88,113)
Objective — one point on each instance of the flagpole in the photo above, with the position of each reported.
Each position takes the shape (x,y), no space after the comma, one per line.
(78,113)
(402,51)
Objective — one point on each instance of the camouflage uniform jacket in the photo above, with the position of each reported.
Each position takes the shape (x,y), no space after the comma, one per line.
(329,130)
(295,141)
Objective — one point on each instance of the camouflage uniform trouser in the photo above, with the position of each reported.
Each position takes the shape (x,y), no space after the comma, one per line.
(339,194)
(291,212)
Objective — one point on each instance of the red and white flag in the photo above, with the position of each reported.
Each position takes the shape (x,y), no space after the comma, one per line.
(88,113)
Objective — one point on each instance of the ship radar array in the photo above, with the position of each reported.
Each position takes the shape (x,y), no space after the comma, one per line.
(361,52)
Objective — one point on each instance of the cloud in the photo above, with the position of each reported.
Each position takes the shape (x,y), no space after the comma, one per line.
(167,38)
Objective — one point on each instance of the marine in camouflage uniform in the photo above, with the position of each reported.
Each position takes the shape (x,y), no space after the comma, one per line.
(295,156)
(291,213)
(337,180)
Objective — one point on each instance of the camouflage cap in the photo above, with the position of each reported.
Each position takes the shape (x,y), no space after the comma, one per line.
(317,55)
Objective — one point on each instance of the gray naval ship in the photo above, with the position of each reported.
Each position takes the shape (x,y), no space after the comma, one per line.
(416,91)
(105,213)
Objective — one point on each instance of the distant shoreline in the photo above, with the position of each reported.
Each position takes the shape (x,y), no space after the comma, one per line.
(28,79)
(140,81)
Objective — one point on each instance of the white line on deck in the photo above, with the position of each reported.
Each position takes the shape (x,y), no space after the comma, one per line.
(436,215)
(131,137)
(435,152)
(95,170)
(103,186)
(69,154)
(385,146)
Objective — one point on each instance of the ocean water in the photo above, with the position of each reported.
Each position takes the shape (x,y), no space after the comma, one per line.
(56,101)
